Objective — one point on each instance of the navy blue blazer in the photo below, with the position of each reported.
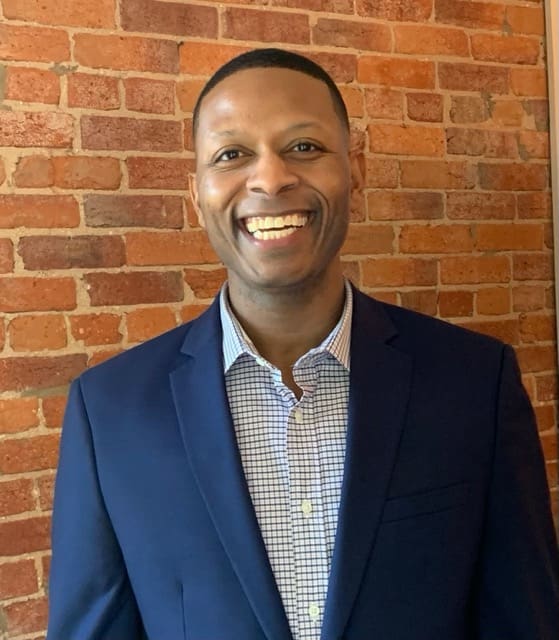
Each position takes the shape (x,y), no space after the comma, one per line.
(444,529)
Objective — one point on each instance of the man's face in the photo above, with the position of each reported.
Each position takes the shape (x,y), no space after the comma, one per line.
(273,178)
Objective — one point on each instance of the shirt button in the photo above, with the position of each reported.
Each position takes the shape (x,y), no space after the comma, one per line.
(298,416)
(306,507)
(314,611)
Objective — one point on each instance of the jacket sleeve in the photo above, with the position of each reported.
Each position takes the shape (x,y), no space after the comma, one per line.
(518,588)
(90,597)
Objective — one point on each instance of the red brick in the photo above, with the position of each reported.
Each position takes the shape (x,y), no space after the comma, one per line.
(475,269)
(511,49)
(381,173)
(53,410)
(192,311)
(19,374)
(384,103)
(528,20)
(2,172)
(453,304)
(396,72)
(46,491)
(26,617)
(477,15)
(546,387)
(71,13)
(528,298)
(406,140)
(426,107)
(36,294)
(143,287)
(37,333)
(507,113)
(528,82)
(399,10)
(428,40)
(545,414)
(206,283)
(265,26)
(509,237)
(6,255)
(50,129)
(92,91)
(38,211)
(71,252)
(529,266)
(480,206)
(159,173)
(493,301)
(353,100)
(187,93)
(203,58)
(126,53)
(397,271)
(18,414)
(538,111)
(32,85)
(330,6)
(2,335)
(134,211)
(19,455)
(361,35)
(537,327)
(96,328)
(437,174)
(505,330)
(435,239)
(142,324)
(422,300)
(366,239)
(188,135)
(404,205)
(481,142)
(84,172)
(34,171)
(33,44)
(468,109)
(150,248)
(153,16)
(16,496)
(342,67)
(150,96)
(533,144)
(549,445)
(463,76)
(534,205)
(513,177)
(100,132)
(100,356)
(18,579)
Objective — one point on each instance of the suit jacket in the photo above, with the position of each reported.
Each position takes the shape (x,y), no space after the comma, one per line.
(444,528)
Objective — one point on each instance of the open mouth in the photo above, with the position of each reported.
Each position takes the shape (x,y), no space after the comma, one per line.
(275,227)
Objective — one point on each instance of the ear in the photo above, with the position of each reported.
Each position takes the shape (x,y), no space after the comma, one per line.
(193,190)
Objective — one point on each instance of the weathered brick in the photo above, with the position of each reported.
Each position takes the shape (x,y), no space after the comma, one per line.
(404,205)
(533,144)
(430,40)
(101,355)
(27,616)
(16,496)
(53,410)
(96,328)
(192,311)
(384,103)
(366,239)
(32,85)
(398,271)
(406,140)
(134,211)
(71,13)
(6,255)
(426,107)
(493,301)
(36,294)
(150,248)
(187,93)
(353,100)
(437,174)
(159,173)
(37,333)
(150,96)
(91,91)
(468,109)
(142,324)
(536,358)
(203,58)
(505,330)
(46,491)
(480,206)
(546,391)
(153,16)
(463,76)
(511,49)
(33,44)
(143,287)
(537,327)
(528,82)
(100,132)
(507,113)
(545,414)
(381,173)
(17,579)
(366,36)
(527,297)
(63,252)
(481,142)
(38,211)
(528,20)
(513,177)
(509,237)
(475,269)
(399,10)
(126,53)
(330,6)
(30,129)
(34,171)
(21,373)
(477,15)
(265,26)
(534,205)
(537,111)
(414,74)
(435,239)
(342,67)
(84,172)
(205,283)
(422,300)
(456,304)
(2,172)
(530,266)
(18,414)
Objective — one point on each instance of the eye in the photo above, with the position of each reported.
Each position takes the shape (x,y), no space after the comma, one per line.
(305,147)
(228,155)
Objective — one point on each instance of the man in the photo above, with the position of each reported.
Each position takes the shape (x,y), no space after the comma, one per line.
(301,461)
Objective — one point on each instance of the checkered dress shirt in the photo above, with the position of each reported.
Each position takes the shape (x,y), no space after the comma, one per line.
(292,453)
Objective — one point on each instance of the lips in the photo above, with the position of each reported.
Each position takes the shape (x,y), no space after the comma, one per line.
(275,227)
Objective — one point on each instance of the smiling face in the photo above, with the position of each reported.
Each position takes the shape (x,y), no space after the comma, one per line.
(273,179)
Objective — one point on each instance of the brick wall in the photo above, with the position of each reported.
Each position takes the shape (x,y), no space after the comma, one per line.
(99,247)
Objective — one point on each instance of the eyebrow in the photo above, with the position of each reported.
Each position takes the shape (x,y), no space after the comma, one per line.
(230,133)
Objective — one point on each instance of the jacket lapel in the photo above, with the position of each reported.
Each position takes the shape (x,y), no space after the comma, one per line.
(380,379)
(201,402)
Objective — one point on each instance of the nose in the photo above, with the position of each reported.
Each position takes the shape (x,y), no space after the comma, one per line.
(271,175)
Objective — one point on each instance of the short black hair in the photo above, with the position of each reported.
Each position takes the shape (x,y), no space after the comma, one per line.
(278,58)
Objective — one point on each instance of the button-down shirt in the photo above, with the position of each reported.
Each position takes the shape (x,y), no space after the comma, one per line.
(292,453)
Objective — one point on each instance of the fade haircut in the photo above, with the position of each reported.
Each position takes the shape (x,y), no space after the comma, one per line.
(280,59)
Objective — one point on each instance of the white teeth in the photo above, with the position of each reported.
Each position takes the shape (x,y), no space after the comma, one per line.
(275,223)
(274,234)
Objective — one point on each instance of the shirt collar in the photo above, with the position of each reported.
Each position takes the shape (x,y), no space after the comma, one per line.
(236,342)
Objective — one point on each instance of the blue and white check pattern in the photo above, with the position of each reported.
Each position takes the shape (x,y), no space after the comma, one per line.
(292,453)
